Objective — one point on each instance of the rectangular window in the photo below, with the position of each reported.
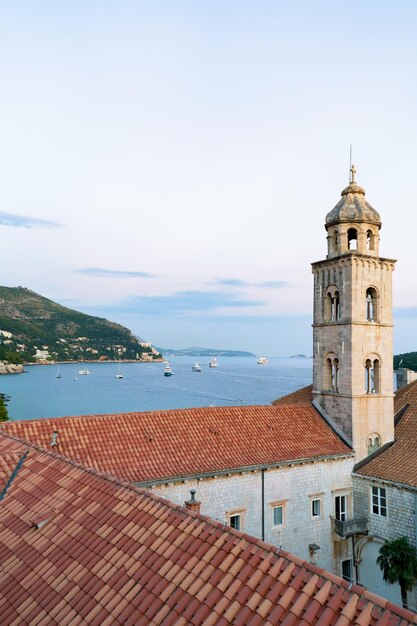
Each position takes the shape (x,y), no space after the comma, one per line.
(347,570)
(278,515)
(379,501)
(316,508)
(340,508)
(235,521)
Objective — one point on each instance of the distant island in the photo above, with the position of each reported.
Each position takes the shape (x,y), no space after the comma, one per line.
(34,329)
(299,356)
(205,352)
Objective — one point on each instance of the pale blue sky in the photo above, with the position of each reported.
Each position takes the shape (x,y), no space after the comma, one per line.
(169,165)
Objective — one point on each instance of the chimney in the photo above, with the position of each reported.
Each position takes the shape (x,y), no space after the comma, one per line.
(192,503)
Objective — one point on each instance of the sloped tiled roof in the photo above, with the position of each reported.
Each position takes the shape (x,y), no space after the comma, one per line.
(112,554)
(301,396)
(149,446)
(398,462)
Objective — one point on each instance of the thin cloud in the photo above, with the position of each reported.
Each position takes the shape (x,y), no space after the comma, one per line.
(106,273)
(266,284)
(232,282)
(179,303)
(272,284)
(21,221)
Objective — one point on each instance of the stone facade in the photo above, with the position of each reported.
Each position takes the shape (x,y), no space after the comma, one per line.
(292,487)
(400,519)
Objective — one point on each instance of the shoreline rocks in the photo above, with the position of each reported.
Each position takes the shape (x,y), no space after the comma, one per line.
(10,368)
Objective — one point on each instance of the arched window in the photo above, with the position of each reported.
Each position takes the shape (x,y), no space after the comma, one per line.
(352,235)
(373,442)
(332,305)
(371,305)
(372,376)
(370,240)
(335,375)
(331,378)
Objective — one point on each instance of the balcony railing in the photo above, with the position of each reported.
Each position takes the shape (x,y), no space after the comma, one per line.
(356,526)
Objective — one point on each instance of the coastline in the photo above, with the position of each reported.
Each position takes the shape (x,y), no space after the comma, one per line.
(11,368)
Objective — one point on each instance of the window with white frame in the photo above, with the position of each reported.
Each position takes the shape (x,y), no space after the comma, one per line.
(379,501)
(316,508)
(340,508)
(235,519)
(278,514)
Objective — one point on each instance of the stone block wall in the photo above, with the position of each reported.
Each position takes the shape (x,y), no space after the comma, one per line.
(293,487)
(401,519)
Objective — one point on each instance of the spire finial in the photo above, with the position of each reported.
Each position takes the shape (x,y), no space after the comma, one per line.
(352,173)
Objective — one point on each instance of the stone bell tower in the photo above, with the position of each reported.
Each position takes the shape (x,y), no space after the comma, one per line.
(353,326)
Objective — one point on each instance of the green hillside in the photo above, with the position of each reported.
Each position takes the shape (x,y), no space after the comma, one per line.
(39,324)
(407,360)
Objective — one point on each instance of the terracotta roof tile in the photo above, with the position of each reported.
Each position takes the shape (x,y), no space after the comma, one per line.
(183,442)
(398,462)
(301,396)
(53,574)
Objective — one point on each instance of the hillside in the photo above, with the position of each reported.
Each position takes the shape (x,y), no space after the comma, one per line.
(407,360)
(33,328)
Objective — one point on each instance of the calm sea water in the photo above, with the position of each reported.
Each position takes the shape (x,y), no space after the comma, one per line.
(236,380)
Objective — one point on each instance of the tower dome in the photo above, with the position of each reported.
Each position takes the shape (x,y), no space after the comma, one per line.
(353,207)
(353,225)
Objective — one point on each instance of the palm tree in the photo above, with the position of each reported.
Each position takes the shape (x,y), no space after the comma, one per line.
(398,562)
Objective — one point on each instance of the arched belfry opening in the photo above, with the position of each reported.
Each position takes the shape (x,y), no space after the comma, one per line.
(352,236)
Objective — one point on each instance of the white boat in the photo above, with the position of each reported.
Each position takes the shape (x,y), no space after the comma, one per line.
(213,362)
(168,371)
(196,367)
(119,373)
(58,373)
(84,372)
(262,360)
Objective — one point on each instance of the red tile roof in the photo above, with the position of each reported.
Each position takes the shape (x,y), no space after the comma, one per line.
(398,462)
(149,446)
(301,396)
(110,553)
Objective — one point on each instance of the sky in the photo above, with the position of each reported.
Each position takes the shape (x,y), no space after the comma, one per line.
(169,165)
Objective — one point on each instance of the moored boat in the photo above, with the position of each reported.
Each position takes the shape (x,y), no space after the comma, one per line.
(213,362)
(168,371)
(196,367)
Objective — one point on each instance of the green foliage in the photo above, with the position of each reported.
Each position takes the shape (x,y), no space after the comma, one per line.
(408,360)
(35,321)
(398,562)
(4,416)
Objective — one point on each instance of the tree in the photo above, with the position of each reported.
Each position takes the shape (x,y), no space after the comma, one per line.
(398,562)
(4,416)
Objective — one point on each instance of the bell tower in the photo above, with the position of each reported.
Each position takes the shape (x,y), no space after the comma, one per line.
(353,326)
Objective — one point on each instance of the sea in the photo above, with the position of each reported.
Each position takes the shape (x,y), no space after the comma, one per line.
(38,393)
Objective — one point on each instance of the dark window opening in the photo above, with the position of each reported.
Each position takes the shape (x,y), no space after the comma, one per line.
(352,235)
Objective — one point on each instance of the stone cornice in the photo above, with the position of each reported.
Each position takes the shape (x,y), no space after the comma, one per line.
(354,257)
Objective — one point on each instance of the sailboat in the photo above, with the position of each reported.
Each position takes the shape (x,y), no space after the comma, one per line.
(58,374)
(119,373)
